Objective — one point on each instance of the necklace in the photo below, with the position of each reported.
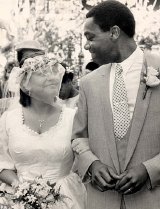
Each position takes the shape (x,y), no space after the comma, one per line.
(41,122)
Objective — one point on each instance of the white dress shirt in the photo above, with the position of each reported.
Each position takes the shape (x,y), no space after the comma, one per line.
(132,67)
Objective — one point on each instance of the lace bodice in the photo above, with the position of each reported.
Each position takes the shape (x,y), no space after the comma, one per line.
(48,154)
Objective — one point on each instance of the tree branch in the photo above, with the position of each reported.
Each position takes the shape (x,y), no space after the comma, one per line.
(85,5)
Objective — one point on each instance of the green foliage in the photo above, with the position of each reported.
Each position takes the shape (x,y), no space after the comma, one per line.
(47,33)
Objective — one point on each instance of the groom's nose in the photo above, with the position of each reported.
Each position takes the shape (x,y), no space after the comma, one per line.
(87,45)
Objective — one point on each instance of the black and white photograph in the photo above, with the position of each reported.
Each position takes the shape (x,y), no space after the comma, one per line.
(79,104)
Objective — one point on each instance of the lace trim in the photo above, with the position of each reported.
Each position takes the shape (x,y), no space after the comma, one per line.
(59,122)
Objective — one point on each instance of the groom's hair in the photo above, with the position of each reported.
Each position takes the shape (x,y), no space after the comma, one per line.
(110,13)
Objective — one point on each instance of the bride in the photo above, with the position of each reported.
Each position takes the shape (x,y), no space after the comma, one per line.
(35,138)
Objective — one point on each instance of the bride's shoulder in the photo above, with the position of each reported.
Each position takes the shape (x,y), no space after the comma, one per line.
(69,110)
(12,113)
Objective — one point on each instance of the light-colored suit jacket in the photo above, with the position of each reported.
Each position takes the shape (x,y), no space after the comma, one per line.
(94,120)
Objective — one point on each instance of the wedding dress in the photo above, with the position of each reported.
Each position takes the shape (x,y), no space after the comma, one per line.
(48,154)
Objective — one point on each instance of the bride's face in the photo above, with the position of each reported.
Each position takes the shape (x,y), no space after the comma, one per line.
(45,86)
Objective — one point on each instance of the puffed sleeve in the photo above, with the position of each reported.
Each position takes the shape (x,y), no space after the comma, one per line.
(6,161)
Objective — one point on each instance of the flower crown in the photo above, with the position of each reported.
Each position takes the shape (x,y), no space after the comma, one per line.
(38,63)
(41,63)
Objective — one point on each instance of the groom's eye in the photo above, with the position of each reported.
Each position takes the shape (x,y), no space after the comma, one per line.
(90,38)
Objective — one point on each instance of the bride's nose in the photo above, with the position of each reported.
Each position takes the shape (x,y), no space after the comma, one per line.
(53,78)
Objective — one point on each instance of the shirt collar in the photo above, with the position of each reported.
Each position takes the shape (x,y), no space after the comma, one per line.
(135,56)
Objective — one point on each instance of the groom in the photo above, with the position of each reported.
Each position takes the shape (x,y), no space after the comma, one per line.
(120,114)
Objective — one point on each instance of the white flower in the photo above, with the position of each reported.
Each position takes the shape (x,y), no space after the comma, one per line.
(35,191)
(152,79)
(49,198)
(44,206)
(22,187)
(18,194)
(43,193)
(31,198)
(18,206)
(2,187)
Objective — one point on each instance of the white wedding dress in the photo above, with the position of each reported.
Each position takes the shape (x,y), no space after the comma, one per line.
(48,154)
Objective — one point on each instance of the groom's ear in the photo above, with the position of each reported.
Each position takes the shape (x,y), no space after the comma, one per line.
(114,32)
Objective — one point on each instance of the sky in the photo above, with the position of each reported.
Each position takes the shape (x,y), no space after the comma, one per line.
(5,8)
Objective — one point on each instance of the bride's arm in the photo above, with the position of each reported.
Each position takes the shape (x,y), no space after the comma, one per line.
(85,157)
(80,145)
(9,177)
(7,167)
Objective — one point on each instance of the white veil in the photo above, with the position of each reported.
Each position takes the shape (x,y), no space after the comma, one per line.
(9,100)
(20,78)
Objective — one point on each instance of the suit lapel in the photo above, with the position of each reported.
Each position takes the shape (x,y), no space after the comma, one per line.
(138,118)
(107,113)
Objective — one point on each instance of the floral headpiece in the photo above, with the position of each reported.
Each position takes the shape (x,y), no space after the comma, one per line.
(42,64)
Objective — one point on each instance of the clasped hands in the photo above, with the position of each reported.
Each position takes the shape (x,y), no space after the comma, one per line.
(103,177)
(129,182)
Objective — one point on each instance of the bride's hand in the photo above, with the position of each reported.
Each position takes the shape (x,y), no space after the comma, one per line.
(80,145)
(15,183)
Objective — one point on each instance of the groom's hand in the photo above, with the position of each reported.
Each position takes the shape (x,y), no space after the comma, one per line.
(132,180)
(103,176)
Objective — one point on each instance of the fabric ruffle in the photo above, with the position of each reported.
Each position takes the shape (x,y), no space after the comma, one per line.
(74,189)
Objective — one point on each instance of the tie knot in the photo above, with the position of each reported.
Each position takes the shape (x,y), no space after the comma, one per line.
(119,69)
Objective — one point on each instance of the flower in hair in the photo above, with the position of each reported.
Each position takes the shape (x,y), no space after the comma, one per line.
(41,63)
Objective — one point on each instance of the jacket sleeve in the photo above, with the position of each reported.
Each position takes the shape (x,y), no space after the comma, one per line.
(153,169)
(153,165)
(80,130)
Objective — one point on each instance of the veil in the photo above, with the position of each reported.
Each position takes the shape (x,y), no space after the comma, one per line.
(9,99)
(10,95)
(20,79)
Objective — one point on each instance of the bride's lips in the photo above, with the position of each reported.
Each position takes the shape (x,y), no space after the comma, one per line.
(53,86)
(53,83)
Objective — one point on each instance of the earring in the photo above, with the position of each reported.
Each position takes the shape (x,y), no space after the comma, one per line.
(28,92)
(55,99)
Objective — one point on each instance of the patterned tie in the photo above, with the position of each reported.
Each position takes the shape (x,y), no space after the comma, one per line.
(121,115)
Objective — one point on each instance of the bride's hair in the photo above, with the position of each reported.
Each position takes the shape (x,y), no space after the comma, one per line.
(22,55)
(25,100)
(33,61)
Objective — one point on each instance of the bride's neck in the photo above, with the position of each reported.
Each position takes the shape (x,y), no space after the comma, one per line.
(41,107)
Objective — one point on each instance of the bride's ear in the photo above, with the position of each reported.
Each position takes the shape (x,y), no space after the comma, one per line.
(24,88)
(55,99)
(26,91)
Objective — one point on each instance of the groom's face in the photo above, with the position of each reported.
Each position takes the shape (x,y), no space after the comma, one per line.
(99,43)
